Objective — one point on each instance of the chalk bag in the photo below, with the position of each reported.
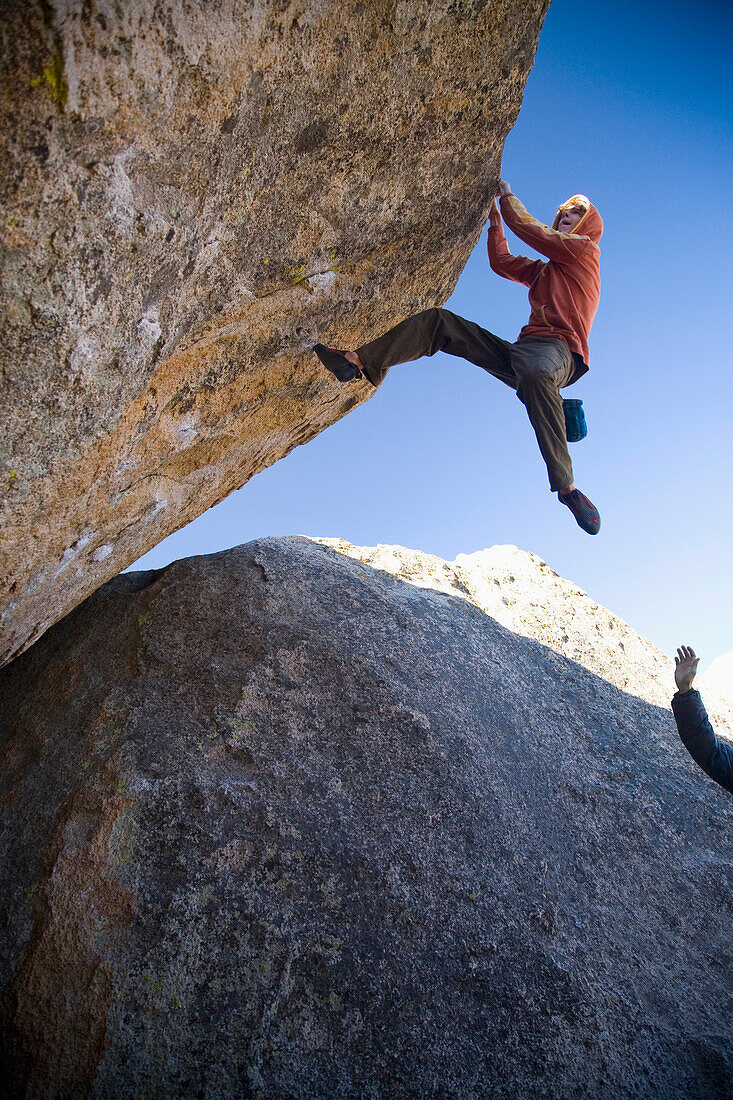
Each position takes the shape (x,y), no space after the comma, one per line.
(575,425)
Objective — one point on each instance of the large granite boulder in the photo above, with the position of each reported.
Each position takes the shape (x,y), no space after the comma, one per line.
(193,193)
(281,823)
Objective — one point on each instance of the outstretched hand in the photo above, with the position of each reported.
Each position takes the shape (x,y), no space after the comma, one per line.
(494,212)
(505,188)
(685,667)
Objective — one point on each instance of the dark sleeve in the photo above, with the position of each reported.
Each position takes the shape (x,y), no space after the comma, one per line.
(699,738)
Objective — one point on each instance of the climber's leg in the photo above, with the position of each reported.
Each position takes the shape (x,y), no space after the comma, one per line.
(430,331)
(543,367)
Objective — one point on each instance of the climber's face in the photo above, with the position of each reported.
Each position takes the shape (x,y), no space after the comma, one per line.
(569,219)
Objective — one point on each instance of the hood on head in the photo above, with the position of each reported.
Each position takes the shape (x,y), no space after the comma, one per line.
(590,225)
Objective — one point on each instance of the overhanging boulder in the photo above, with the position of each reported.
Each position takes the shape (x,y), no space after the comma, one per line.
(192,194)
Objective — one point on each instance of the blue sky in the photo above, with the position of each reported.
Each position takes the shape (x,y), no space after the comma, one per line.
(630,104)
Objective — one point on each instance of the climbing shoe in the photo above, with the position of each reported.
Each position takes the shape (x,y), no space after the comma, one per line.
(335,361)
(586,514)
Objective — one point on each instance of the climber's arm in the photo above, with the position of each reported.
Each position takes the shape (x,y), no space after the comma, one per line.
(560,247)
(519,269)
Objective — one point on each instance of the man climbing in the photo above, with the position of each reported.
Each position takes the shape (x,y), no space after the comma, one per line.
(693,725)
(552,349)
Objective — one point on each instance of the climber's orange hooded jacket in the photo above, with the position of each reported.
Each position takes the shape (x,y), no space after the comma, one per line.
(563,291)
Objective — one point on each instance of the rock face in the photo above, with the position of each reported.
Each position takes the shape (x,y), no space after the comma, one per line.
(192,194)
(522,592)
(280,823)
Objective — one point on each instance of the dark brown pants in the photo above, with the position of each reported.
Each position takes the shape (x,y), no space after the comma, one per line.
(536,368)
